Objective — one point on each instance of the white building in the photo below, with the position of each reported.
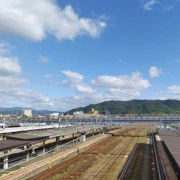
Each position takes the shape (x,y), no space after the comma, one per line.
(78,112)
(27,112)
(54,115)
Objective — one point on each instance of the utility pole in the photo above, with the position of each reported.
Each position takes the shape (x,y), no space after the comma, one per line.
(59,121)
(4,123)
(66,120)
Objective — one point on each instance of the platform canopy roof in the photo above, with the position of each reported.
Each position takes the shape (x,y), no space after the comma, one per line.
(10,144)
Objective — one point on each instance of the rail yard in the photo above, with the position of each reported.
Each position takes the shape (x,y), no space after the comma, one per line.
(130,152)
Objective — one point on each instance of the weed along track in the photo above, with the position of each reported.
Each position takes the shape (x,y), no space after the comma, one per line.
(142,163)
(104,160)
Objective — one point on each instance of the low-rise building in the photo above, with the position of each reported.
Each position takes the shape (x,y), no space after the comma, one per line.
(54,115)
(95,112)
(27,112)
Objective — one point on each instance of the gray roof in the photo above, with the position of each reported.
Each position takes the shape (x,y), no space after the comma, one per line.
(168,133)
(9,144)
(172,141)
(48,133)
(24,136)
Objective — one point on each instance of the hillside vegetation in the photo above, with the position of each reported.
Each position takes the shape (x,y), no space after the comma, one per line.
(133,107)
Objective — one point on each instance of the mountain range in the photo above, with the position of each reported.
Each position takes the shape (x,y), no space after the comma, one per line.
(18,110)
(114,107)
(133,107)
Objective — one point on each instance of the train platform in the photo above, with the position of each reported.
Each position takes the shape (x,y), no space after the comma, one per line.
(47,161)
(172,140)
(24,128)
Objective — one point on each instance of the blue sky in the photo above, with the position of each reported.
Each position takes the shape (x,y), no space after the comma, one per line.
(62,54)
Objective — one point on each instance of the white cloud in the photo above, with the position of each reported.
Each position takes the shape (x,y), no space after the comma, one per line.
(34,20)
(43,59)
(124,94)
(174,89)
(154,72)
(70,102)
(135,81)
(124,87)
(48,75)
(148,5)
(11,91)
(26,98)
(75,80)
(10,68)
(83,88)
(102,24)
(4,48)
(168,8)
(172,92)
(9,65)
(80,100)
(13,94)
(10,81)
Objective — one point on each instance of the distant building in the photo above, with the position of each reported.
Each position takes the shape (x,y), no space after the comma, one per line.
(95,112)
(78,112)
(54,115)
(27,112)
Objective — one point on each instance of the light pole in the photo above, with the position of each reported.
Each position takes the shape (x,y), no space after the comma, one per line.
(4,123)
(59,120)
(66,120)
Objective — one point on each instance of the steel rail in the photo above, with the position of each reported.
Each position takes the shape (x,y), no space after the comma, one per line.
(123,173)
(160,171)
(114,158)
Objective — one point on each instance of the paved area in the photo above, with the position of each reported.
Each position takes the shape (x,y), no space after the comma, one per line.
(169,172)
(20,129)
(172,141)
(145,171)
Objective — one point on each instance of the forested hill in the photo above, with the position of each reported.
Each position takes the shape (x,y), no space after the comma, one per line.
(133,107)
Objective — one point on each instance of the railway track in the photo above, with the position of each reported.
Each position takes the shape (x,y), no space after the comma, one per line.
(155,166)
(160,171)
(153,173)
(111,160)
(90,158)
(85,160)
(75,167)
(125,170)
(101,174)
